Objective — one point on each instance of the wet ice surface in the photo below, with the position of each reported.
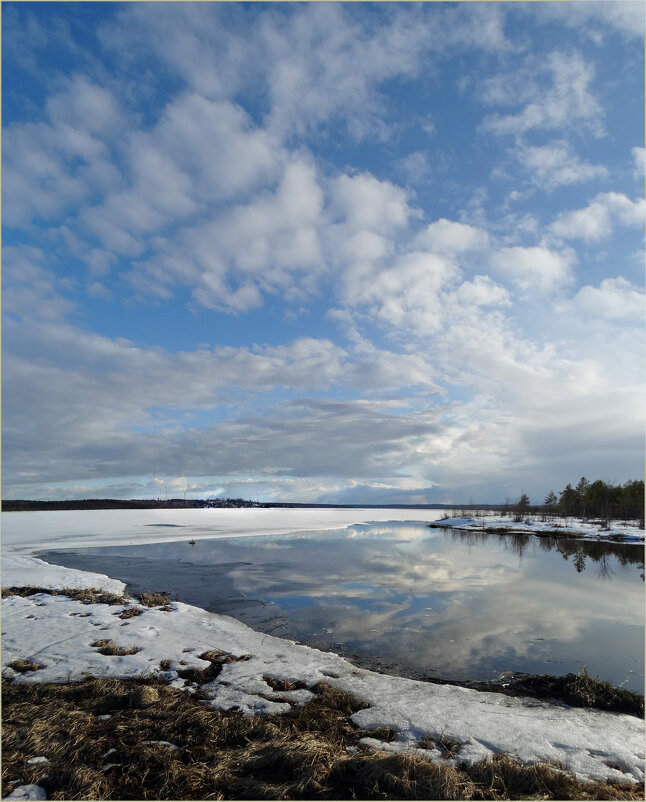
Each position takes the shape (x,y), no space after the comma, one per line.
(410,600)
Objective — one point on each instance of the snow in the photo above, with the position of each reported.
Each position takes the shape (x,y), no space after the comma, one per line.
(31,532)
(534,525)
(22,572)
(27,792)
(58,632)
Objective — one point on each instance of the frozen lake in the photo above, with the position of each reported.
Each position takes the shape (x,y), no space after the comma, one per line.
(403,598)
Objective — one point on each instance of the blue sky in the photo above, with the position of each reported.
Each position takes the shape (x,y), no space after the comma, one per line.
(358,253)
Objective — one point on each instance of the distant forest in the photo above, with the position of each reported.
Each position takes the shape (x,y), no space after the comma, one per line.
(596,499)
(25,505)
(22,505)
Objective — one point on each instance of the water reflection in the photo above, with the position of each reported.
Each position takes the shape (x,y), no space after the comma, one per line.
(405,598)
(574,550)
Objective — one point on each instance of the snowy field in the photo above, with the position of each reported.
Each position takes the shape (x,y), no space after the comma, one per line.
(57,632)
(534,525)
(30,532)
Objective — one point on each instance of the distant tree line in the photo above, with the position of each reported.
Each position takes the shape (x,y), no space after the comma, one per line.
(597,499)
(23,505)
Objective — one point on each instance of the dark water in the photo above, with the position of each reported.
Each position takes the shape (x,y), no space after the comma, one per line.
(406,599)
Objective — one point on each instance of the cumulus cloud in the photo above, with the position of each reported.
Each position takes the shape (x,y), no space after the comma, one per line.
(282,240)
(48,166)
(556,165)
(534,268)
(599,218)
(564,102)
(482,291)
(614,299)
(218,169)
(405,293)
(363,202)
(31,288)
(593,19)
(448,236)
(415,167)
(639,159)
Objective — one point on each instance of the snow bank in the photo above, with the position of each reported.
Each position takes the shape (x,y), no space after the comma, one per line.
(19,571)
(585,529)
(57,632)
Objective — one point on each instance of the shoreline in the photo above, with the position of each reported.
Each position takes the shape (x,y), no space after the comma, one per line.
(232,671)
(172,642)
(492,524)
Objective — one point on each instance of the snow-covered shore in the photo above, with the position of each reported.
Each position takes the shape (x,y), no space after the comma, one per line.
(58,632)
(535,525)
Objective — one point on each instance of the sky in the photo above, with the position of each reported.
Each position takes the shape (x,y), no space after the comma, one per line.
(322,252)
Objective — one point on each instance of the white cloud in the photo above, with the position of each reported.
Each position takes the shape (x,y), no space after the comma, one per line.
(614,299)
(83,109)
(217,144)
(407,293)
(448,236)
(639,159)
(363,202)
(565,102)
(97,290)
(482,291)
(556,165)
(286,240)
(48,166)
(593,19)
(216,194)
(599,218)
(30,287)
(415,167)
(534,268)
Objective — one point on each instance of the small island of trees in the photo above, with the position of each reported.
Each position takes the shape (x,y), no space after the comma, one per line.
(598,499)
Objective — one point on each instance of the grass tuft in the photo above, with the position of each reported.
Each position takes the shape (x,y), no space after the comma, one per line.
(579,690)
(448,747)
(109,647)
(131,612)
(21,665)
(84,595)
(283,684)
(224,755)
(154,599)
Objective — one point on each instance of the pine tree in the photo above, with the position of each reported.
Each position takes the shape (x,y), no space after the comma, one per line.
(522,508)
(567,500)
(581,491)
(550,502)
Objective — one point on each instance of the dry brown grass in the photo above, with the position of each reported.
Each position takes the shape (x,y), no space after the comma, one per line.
(21,665)
(84,595)
(131,612)
(448,747)
(579,690)
(299,755)
(154,599)
(109,647)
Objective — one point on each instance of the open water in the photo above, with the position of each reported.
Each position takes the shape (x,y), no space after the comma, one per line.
(406,599)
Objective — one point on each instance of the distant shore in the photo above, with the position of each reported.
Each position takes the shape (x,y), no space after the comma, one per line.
(35,505)
(545,526)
